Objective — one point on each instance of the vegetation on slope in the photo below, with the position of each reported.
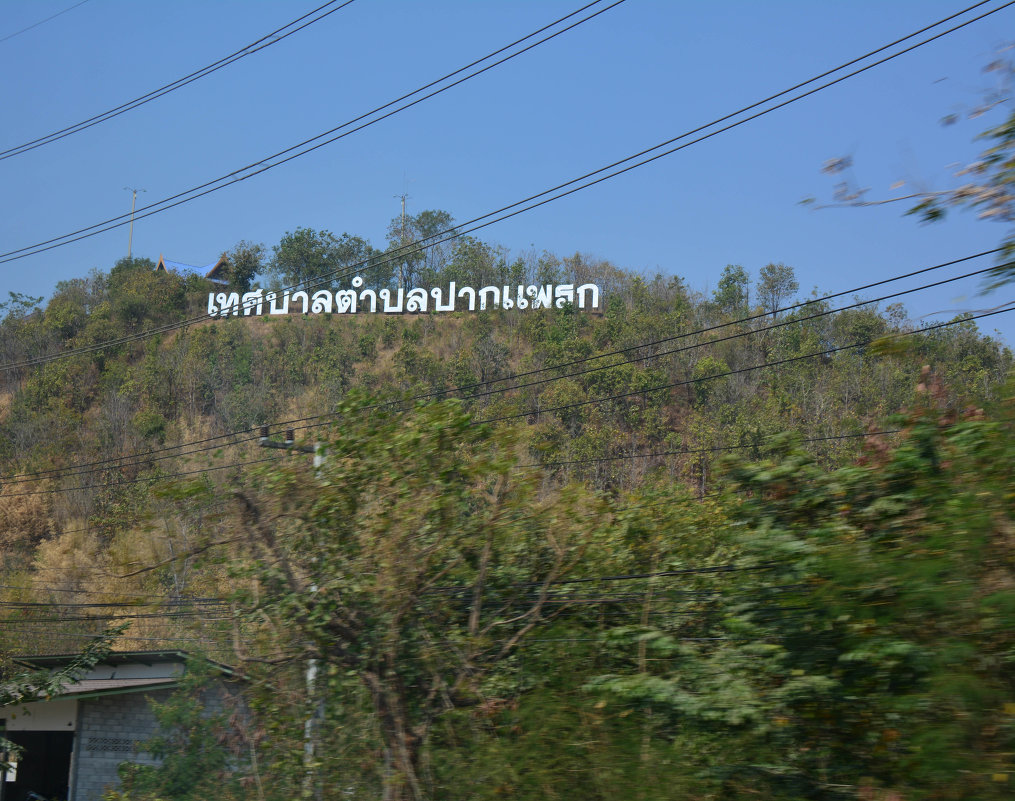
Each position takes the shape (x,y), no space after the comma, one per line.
(615,578)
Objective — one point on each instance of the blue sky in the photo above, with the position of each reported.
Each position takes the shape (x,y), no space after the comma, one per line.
(640,73)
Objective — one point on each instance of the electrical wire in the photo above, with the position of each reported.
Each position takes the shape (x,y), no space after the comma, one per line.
(741,371)
(108,605)
(433,242)
(626,509)
(265,41)
(753,368)
(523,466)
(140,596)
(714,449)
(184,323)
(120,638)
(585,600)
(710,570)
(112,618)
(42,21)
(721,569)
(738,335)
(117,463)
(463,388)
(577,404)
(740,321)
(543,464)
(855,345)
(144,479)
(243,173)
(151,208)
(174,451)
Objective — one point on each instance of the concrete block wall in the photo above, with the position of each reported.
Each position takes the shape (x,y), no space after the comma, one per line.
(111,730)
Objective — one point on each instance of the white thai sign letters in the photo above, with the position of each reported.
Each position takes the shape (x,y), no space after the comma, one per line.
(386,301)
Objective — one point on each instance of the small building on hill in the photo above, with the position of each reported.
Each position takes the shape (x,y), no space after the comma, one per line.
(74,743)
(217,272)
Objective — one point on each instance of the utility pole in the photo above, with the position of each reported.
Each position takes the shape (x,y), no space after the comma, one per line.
(133,203)
(315,693)
(401,267)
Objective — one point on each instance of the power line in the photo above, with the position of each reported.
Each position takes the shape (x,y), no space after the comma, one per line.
(721,375)
(42,21)
(451,233)
(258,167)
(392,257)
(265,41)
(146,596)
(714,449)
(141,461)
(457,233)
(146,458)
(668,502)
(29,605)
(576,404)
(117,463)
(742,370)
(739,321)
(533,465)
(142,480)
(463,388)
(611,578)
(738,335)
(677,572)
(113,618)
(686,501)
(83,635)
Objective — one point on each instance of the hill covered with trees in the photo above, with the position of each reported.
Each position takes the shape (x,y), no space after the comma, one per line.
(704,545)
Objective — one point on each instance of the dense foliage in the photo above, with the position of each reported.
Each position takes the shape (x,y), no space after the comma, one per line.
(607,578)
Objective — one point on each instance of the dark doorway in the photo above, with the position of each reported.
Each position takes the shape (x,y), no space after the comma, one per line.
(44,767)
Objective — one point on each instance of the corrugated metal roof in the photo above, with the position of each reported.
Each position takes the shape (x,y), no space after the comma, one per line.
(190,269)
(113,685)
(113,658)
(180,267)
(94,688)
(90,688)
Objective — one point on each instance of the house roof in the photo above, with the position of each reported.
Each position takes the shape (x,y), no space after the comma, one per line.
(113,658)
(213,272)
(95,686)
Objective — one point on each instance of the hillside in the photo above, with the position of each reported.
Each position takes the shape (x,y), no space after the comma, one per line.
(503,454)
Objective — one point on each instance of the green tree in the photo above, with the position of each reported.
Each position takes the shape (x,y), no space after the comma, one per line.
(861,646)
(413,560)
(418,256)
(19,304)
(246,261)
(732,295)
(313,259)
(776,285)
(192,749)
(138,294)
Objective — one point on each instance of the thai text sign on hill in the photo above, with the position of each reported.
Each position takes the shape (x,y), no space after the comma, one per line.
(387,301)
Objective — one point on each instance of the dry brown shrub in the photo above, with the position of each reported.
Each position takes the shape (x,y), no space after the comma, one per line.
(70,560)
(24,520)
